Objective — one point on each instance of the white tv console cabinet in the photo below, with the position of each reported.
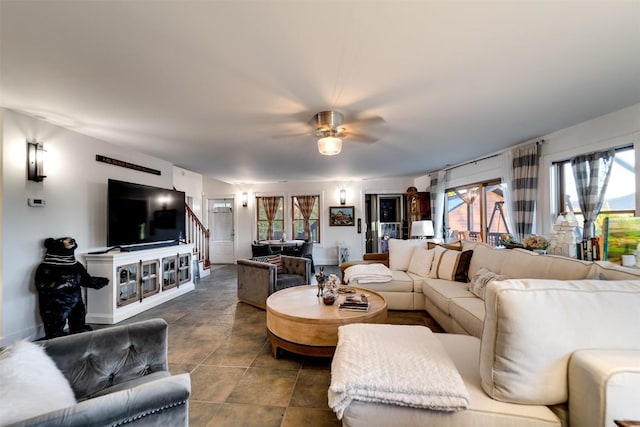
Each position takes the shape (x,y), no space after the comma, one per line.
(138,281)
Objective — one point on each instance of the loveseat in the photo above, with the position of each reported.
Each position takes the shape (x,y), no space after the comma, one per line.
(552,353)
(112,376)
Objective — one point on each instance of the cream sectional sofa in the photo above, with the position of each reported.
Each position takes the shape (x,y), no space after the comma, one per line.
(552,353)
(451,303)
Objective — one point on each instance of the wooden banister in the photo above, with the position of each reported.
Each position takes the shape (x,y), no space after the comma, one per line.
(197,234)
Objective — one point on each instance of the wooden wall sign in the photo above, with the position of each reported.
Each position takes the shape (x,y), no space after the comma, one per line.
(121,163)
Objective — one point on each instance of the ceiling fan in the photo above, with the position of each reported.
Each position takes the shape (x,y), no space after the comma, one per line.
(330,129)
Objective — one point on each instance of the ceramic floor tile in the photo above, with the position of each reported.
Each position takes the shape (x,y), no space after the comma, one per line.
(311,389)
(268,387)
(210,331)
(214,383)
(310,417)
(245,415)
(201,413)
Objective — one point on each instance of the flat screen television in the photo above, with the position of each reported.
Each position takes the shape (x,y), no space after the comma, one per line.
(139,216)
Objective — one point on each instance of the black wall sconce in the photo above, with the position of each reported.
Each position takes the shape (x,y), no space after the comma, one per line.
(245,199)
(343,196)
(35,161)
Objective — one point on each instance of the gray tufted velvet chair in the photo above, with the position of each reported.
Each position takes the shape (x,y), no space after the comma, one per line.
(257,280)
(120,377)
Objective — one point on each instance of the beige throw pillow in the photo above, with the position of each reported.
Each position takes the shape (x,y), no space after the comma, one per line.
(400,252)
(450,264)
(421,260)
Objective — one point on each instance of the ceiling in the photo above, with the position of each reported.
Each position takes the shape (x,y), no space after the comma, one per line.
(215,86)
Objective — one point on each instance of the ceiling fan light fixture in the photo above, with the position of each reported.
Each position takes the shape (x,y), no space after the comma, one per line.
(329,145)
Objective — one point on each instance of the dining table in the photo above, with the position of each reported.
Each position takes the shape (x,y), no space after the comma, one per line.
(280,245)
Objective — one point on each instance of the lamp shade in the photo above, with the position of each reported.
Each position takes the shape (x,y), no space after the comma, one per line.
(422,228)
(329,145)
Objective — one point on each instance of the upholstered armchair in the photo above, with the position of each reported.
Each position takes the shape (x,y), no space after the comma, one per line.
(119,375)
(259,277)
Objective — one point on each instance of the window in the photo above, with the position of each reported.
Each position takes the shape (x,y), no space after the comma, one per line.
(309,205)
(620,196)
(270,220)
(476,212)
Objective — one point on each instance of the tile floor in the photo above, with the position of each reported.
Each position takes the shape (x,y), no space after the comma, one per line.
(235,381)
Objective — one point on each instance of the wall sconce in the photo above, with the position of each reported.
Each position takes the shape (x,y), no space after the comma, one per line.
(245,199)
(343,196)
(35,161)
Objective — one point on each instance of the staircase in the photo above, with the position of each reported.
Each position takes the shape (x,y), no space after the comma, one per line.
(197,234)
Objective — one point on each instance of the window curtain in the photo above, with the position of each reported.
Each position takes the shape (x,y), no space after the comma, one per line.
(591,173)
(507,180)
(437,187)
(305,204)
(524,189)
(270,205)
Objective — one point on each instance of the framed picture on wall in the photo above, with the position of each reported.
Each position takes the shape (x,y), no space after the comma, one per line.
(341,216)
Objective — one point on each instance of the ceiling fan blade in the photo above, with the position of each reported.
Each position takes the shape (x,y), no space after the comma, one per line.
(291,135)
(369,121)
(360,137)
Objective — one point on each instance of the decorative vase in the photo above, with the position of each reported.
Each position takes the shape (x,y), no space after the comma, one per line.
(329,296)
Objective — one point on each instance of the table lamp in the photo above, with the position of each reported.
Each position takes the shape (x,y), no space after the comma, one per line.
(422,229)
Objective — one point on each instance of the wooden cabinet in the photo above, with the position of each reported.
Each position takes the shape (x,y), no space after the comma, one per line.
(137,281)
(418,206)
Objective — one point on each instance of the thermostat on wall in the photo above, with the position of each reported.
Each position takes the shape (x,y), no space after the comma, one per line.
(38,203)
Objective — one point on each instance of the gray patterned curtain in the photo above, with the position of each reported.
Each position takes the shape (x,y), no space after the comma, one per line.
(591,173)
(524,189)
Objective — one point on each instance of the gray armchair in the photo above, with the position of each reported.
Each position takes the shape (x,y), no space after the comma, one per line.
(119,376)
(257,280)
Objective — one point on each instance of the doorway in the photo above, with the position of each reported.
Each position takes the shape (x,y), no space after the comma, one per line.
(221,226)
(384,215)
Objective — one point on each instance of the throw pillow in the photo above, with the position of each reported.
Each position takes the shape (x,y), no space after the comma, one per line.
(481,279)
(400,252)
(450,264)
(421,260)
(30,383)
(277,261)
(454,246)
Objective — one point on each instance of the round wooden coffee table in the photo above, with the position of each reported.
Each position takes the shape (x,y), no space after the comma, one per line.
(298,320)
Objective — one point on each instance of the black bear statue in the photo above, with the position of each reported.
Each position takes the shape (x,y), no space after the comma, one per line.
(59,279)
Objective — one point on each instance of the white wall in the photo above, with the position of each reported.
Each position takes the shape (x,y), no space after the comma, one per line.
(612,130)
(75,192)
(330,237)
(191,184)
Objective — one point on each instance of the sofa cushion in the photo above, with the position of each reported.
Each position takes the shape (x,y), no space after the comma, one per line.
(440,292)
(480,280)
(400,282)
(284,281)
(540,323)
(30,383)
(521,263)
(421,260)
(486,257)
(400,252)
(469,314)
(450,264)
(605,270)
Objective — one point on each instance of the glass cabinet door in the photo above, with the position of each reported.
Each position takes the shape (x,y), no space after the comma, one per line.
(127,284)
(184,270)
(169,273)
(150,279)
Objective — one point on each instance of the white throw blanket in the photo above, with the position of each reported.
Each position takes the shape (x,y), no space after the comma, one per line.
(368,273)
(395,364)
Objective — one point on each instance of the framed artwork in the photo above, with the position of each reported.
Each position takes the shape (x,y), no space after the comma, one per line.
(341,216)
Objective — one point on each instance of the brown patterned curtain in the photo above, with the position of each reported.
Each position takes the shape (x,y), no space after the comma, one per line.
(305,204)
(270,205)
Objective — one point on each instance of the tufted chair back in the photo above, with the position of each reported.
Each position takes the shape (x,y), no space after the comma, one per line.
(110,356)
